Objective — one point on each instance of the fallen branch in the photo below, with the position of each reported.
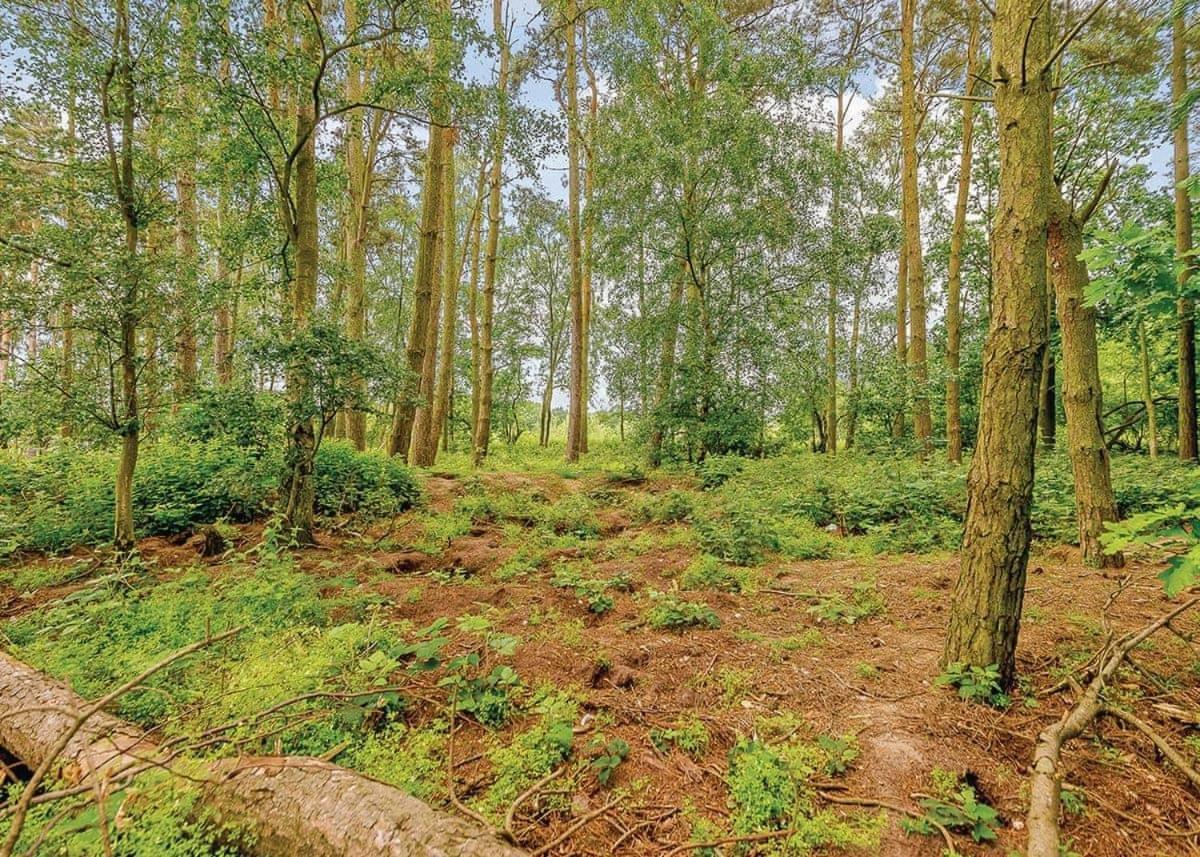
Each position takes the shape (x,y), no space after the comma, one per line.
(1045,785)
(1170,753)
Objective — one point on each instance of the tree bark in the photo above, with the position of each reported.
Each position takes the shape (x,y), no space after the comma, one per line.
(1094,502)
(292,804)
(898,427)
(986,607)
(831,305)
(473,296)
(428,261)
(186,221)
(666,366)
(957,235)
(852,405)
(1185,308)
(922,422)
(576,393)
(1148,392)
(483,422)
(299,487)
(451,277)
(589,227)
(1047,392)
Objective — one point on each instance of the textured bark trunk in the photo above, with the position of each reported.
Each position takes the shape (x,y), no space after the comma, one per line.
(576,393)
(293,805)
(483,422)
(954,274)
(922,422)
(1094,503)
(299,488)
(898,426)
(186,224)
(986,607)
(1186,308)
(451,276)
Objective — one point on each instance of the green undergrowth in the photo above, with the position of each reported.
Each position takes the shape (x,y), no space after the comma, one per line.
(64,498)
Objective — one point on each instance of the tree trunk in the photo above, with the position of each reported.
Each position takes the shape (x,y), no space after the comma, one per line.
(852,409)
(290,804)
(666,367)
(124,189)
(986,607)
(1047,398)
(483,423)
(589,226)
(1094,503)
(186,222)
(451,276)
(576,393)
(299,488)
(901,326)
(473,297)
(957,235)
(1186,309)
(428,261)
(831,307)
(1148,392)
(922,422)
(547,398)
(359,170)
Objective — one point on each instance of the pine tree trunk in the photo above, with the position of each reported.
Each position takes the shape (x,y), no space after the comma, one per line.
(986,607)
(1047,398)
(425,280)
(1094,502)
(576,392)
(922,422)
(483,422)
(954,274)
(1186,309)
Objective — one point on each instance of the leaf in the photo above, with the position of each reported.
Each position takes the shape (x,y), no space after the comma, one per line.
(1181,572)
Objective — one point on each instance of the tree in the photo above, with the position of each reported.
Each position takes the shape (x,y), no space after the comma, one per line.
(985,610)
(576,390)
(1186,308)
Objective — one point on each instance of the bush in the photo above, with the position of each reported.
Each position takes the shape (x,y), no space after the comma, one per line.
(64,498)
(369,482)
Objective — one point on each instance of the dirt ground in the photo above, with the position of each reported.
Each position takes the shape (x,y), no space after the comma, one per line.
(873,678)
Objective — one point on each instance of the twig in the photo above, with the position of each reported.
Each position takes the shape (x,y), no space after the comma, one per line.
(1172,755)
(730,840)
(458,804)
(525,795)
(576,826)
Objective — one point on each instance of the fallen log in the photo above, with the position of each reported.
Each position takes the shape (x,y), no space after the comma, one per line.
(293,805)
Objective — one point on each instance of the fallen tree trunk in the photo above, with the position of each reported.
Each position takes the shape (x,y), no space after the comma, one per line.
(293,805)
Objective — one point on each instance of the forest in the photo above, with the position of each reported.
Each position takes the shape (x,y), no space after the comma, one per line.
(589,427)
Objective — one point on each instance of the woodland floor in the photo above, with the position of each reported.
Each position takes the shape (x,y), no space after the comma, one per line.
(873,678)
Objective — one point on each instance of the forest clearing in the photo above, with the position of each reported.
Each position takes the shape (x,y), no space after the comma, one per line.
(587,427)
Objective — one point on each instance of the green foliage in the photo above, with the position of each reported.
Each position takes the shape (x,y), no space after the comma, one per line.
(963,811)
(609,755)
(762,791)
(410,759)
(864,602)
(976,684)
(736,534)
(593,592)
(689,735)
(708,572)
(669,612)
(366,482)
(234,415)
(1175,531)
(673,507)
(488,698)
(717,470)
(65,497)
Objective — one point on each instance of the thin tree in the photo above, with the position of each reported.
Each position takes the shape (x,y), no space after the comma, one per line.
(957,235)
(1185,308)
(577,394)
